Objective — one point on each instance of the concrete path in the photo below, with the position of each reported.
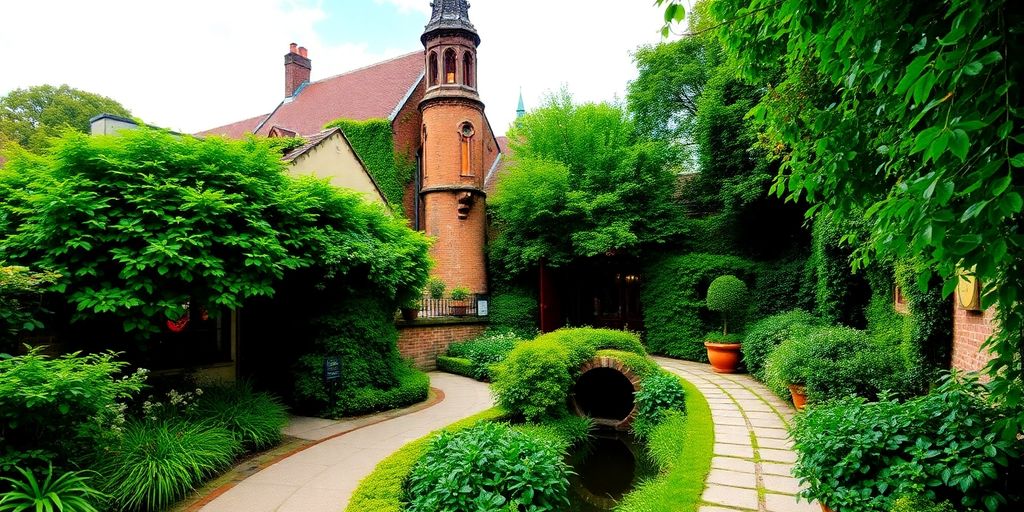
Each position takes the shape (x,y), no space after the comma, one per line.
(753,458)
(322,477)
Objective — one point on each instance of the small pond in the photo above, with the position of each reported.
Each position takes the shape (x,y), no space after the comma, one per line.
(608,465)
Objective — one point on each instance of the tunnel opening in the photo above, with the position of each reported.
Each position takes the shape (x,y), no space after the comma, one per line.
(605,394)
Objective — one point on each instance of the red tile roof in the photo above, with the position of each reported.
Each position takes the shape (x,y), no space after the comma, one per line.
(496,171)
(375,91)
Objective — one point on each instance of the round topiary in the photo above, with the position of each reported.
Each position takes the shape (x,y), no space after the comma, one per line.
(726,294)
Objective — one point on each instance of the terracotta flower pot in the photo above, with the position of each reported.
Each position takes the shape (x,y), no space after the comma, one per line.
(410,314)
(724,357)
(824,507)
(458,309)
(799,394)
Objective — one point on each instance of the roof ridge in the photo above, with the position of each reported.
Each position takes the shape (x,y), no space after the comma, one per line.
(368,66)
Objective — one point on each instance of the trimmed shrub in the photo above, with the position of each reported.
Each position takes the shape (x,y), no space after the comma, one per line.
(413,387)
(157,463)
(659,393)
(486,468)
(860,455)
(515,309)
(727,295)
(673,301)
(456,365)
(483,351)
(69,492)
(766,334)
(52,410)
(717,337)
(835,362)
(255,418)
(535,378)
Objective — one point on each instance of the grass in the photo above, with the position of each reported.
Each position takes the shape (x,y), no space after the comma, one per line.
(681,446)
(159,462)
(383,489)
(256,419)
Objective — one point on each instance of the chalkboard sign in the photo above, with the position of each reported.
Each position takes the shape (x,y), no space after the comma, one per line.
(332,368)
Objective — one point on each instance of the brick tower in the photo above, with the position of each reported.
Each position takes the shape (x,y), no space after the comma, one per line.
(453,147)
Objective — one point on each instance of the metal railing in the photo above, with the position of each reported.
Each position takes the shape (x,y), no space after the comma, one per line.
(474,305)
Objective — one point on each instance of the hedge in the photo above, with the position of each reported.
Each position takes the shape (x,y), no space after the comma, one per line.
(456,365)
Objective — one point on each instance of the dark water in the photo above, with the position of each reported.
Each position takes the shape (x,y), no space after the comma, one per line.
(607,466)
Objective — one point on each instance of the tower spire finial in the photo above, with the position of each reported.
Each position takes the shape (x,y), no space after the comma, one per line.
(449,15)
(520,110)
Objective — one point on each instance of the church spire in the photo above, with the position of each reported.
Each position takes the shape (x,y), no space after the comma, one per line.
(449,16)
(520,110)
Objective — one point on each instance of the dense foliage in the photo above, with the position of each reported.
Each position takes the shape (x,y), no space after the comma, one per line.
(373,141)
(581,182)
(30,117)
(859,455)
(484,351)
(20,302)
(835,362)
(765,335)
(54,409)
(142,223)
(660,393)
(514,309)
(675,312)
(906,114)
(489,467)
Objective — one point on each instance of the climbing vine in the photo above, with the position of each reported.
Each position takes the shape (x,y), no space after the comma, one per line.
(374,142)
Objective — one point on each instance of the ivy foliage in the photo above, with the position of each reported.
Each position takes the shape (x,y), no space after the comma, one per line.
(582,182)
(675,312)
(905,113)
(142,222)
(31,117)
(374,142)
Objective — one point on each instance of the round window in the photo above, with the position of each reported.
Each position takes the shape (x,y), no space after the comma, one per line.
(467,130)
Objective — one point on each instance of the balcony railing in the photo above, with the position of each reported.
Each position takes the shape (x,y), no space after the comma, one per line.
(474,305)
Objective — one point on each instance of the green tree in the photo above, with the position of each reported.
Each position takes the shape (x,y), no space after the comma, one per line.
(142,222)
(582,182)
(907,114)
(30,117)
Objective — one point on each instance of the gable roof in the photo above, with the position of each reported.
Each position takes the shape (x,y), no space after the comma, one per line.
(375,91)
(315,140)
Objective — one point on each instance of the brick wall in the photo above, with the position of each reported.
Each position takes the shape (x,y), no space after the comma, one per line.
(423,342)
(970,330)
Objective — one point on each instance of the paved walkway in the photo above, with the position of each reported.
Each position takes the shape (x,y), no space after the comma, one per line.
(322,477)
(753,458)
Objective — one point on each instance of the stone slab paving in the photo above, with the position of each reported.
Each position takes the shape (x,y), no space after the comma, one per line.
(753,456)
(321,478)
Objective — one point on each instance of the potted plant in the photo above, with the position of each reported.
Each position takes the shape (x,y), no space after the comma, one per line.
(411,310)
(790,362)
(435,288)
(727,294)
(458,306)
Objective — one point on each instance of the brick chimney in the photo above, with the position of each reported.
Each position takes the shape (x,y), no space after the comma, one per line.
(296,69)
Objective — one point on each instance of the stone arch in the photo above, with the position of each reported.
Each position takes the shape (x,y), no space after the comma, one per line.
(605,391)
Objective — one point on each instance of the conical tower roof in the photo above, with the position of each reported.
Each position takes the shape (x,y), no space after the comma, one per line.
(449,16)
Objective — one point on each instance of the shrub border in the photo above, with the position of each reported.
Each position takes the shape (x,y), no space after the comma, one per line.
(681,484)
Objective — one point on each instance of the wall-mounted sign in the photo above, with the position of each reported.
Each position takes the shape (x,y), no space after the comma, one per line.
(481,307)
(968,292)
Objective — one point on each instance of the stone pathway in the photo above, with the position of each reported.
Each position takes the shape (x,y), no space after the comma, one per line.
(322,477)
(753,458)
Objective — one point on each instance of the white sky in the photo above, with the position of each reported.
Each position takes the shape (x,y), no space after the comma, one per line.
(189,65)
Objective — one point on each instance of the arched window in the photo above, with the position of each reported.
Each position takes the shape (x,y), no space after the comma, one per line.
(467,69)
(466,135)
(449,66)
(433,69)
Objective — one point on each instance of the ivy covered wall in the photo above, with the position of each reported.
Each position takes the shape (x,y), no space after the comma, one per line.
(373,140)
